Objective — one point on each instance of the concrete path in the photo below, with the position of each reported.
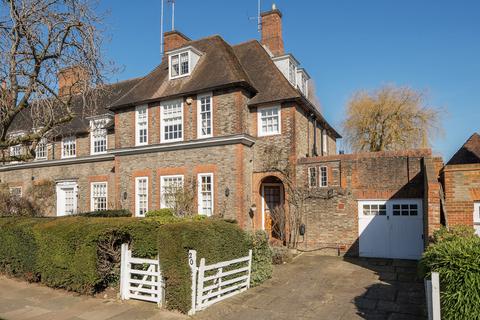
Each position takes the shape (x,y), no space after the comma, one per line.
(25,301)
(319,287)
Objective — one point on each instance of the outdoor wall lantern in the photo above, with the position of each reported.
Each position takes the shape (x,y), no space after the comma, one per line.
(189,100)
(252,210)
(125,195)
(227,192)
(301,230)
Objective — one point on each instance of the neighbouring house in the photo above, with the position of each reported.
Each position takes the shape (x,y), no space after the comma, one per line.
(221,118)
(461,183)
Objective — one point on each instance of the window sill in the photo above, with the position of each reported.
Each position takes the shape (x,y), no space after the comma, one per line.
(269,134)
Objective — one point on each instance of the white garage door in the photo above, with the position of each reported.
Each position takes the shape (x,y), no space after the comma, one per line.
(391,229)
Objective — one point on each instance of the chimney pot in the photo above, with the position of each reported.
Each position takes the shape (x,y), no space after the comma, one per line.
(272,31)
(173,40)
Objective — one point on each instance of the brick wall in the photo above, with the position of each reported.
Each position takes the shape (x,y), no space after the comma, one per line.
(462,188)
(332,214)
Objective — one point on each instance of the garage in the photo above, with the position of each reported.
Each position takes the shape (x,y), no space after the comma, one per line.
(391,228)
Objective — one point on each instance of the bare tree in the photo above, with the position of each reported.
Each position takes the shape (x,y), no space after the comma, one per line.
(390,118)
(180,198)
(38,40)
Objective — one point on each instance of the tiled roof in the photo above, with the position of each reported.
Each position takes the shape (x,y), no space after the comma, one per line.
(469,153)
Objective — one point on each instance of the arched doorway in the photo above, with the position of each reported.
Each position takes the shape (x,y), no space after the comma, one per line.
(273,209)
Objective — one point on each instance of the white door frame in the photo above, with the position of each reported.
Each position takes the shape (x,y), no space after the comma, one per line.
(262,195)
(60,193)
(476,217)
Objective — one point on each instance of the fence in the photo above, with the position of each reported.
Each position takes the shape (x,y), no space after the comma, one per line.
(219,281)
(140,279)
(432,292)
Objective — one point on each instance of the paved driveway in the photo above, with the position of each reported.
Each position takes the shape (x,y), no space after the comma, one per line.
(319,287)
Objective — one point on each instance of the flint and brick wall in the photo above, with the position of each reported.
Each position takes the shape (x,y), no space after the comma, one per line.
(462,188)
(332,212)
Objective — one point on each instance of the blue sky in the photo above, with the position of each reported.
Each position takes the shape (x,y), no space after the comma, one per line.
(430,45)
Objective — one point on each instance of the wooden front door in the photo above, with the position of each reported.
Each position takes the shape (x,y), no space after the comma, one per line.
(273,212)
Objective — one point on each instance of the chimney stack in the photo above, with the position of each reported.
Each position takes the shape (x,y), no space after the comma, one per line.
(173,40)
(72,80)
(272,31)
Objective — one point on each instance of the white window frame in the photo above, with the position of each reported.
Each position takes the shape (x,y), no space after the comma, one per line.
(200,196)
(261,133)
(98,125)
(476,217)
(16,150)
(180,74)
(92,202)
(163,204)
(292,72)
(324,142)
(138,127)
(11,191)
(199,116)
(69,139)
(162,121)
(321,183)
(314,171)
(137,198)
(42,143)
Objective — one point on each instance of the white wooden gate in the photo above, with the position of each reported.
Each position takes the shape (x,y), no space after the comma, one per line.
(140,279)
(432,293)
(219,281)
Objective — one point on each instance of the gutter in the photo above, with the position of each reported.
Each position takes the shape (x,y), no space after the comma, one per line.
(57,162)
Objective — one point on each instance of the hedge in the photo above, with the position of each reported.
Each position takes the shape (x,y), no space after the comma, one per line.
(455,255)
(106,213)
(82,254)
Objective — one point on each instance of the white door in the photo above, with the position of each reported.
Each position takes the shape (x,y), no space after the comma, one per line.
(67,193)
(391,229)
(476,217)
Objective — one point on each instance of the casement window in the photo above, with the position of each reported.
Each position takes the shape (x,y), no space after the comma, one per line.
(141,196)
(205,194)
(16,151)
(374,209)
(98,198)
(324,142)
(179,64)
(269,121)
(15,192)
(204,116)
(171,121)
(312,177)
(170,187)
(41,152)
(69,147)
(141,125)
(98,136)
(323,177)
(292,71)
(405,209)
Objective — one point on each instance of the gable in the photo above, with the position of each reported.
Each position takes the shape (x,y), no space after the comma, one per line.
(469,153)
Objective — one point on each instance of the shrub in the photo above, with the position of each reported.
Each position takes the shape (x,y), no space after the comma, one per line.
(453,233)
(262,257)
(107,213)
(281,255)
(167,212)
(456,256)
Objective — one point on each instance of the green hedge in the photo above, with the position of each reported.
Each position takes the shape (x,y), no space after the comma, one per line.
(107,213)
(82,254)
(455,255)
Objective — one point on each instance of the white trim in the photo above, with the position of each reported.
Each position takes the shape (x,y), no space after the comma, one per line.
(91,194)
(44,142)
(199,192)
(12,188)
(199,109)
(137,136)
(162,183)
(92,130)
(476,217)
(320,177)
(179,53)
(57,162)
(315,169)
(260,133)
(162,124)
(62,147)
(61,200)
(137,200)
(324,142)
(263,198)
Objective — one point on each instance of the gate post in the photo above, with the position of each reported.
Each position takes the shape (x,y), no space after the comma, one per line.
(192,262)
(124,272)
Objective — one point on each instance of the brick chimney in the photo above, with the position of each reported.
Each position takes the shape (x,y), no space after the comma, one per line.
(272,31)
(173,40)
(72,80)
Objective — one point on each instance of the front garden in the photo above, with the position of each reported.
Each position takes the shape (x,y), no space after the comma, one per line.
(82,253)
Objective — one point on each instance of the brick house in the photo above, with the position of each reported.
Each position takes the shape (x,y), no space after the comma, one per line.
(205,116)
(461,182)
(214,116)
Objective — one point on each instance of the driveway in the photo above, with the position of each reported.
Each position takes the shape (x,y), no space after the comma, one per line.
(320,287)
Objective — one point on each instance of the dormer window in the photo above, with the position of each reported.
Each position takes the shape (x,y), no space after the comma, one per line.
(288,65)
(182,61)
(291,71)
